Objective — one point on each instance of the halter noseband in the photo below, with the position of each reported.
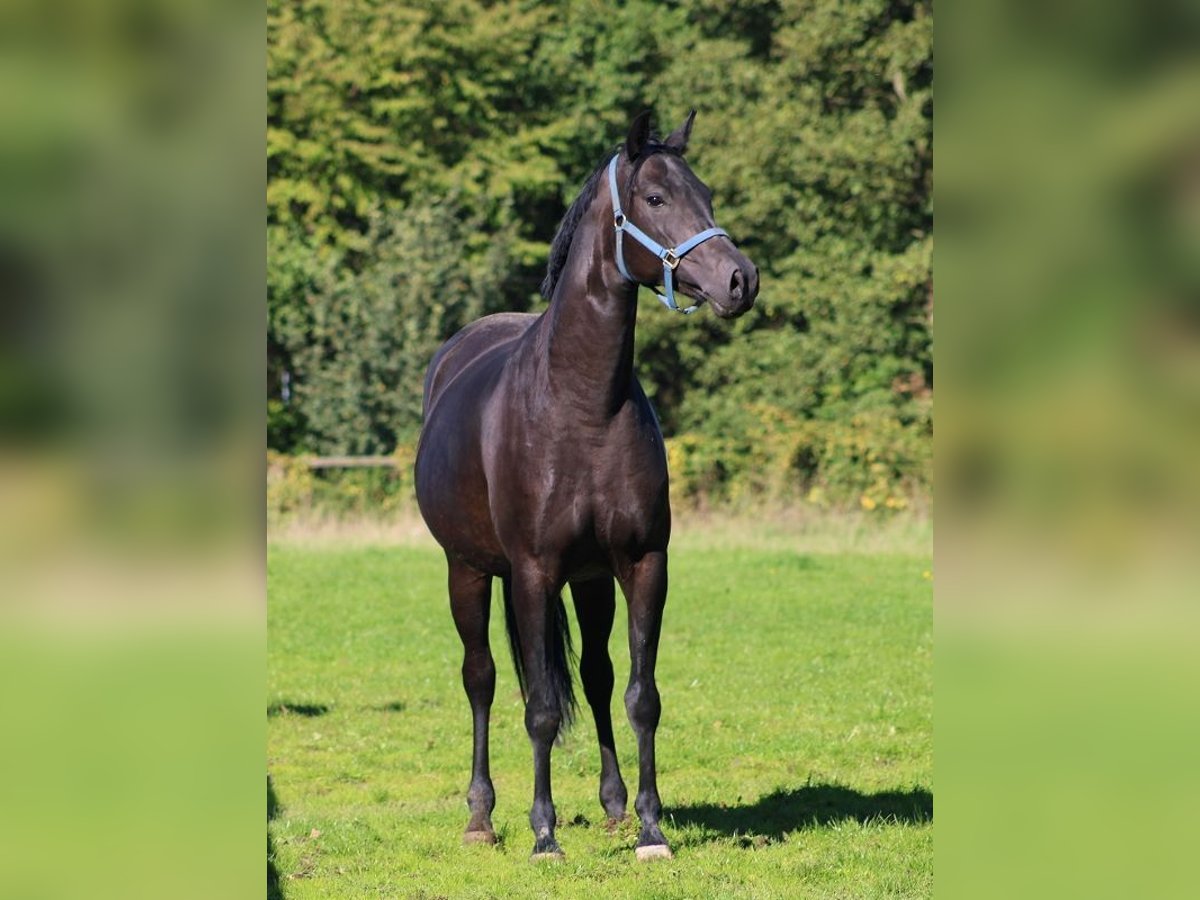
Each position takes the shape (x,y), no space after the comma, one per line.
(670,257)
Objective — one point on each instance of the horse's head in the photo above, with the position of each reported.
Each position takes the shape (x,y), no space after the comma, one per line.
(667,211)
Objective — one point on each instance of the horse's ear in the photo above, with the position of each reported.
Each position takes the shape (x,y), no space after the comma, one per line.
(639,133)
(679,138)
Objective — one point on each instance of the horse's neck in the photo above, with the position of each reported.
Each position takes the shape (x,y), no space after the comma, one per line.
(589,327)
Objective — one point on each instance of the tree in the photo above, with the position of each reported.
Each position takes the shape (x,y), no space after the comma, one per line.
(421,155)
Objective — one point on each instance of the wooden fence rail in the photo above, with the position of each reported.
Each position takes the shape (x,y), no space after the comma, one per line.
(349,462)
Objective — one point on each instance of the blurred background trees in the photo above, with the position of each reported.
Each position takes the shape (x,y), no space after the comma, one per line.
(420,157)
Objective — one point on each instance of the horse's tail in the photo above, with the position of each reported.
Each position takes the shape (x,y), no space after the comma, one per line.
(560,656)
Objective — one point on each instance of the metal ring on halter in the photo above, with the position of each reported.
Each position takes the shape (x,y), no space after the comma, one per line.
(670,260)
(619,221)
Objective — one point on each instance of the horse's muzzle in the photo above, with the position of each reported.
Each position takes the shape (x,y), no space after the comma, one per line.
(743,289)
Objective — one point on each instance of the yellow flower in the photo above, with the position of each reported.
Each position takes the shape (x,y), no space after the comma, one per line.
(867,502)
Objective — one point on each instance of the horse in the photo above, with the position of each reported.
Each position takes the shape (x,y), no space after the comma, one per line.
(541,462)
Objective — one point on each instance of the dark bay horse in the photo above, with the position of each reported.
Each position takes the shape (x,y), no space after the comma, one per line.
(541,462)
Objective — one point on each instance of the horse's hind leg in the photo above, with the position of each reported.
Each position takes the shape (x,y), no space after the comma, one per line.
(645,588)
(595,607)
(536,605)
(470,603)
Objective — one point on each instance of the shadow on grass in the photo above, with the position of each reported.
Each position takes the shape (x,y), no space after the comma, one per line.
(274,886)
(394,706)
(310,710)
(771,817)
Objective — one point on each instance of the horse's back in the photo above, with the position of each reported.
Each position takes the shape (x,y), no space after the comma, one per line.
(468,345)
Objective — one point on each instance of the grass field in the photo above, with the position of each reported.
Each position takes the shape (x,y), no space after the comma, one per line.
(795,750)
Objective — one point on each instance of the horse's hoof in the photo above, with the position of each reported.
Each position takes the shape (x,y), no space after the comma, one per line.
(479,837)
(545,846)
(654,851)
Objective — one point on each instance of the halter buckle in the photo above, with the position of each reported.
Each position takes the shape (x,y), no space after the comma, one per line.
(670,260)
(619,221)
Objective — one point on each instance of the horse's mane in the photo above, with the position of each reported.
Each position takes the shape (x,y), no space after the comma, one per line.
(561,245)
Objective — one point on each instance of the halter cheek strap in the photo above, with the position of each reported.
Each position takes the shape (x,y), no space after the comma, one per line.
(670,256)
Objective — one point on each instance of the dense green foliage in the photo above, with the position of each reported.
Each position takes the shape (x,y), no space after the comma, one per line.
(795,751)
(421,155)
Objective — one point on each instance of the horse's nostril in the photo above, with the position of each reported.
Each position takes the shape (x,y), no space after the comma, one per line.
(735,284)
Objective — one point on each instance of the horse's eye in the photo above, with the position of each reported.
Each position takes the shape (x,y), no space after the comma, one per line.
(655,200)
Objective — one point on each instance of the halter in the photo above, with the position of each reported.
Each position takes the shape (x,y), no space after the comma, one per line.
(670,257)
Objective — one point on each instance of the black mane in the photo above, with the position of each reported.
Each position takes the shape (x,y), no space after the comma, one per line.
(561,244)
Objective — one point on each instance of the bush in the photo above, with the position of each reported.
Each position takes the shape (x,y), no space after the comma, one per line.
(295,488)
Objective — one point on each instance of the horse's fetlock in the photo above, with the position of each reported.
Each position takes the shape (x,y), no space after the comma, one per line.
(543,818)
(613,797)
(649,809)
(481,795)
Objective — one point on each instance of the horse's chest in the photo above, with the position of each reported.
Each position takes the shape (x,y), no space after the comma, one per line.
(585,493)
(619,491)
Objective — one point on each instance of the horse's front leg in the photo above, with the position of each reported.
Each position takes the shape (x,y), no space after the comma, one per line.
(645,588)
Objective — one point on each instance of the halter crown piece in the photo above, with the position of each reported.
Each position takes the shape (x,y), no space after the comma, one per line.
(670,257)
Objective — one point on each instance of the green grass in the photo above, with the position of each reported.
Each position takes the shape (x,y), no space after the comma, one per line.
(795,750)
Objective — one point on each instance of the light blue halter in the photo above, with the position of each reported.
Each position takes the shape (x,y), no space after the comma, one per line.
(670,257)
